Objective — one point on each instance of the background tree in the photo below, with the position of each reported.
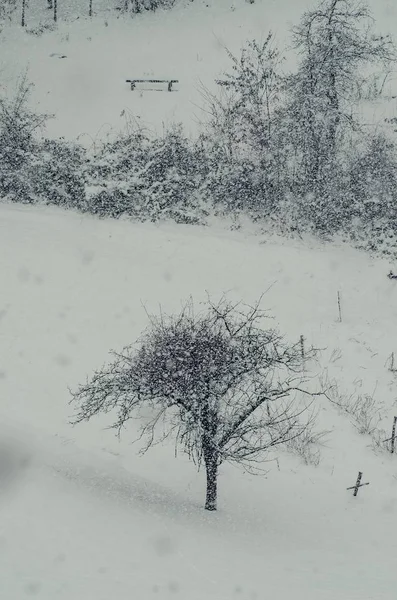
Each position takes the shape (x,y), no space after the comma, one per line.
(19,124)
(23,15)
(338,47)
(219,383)
(373,186)
(20,129)
(253,93)
(245,129)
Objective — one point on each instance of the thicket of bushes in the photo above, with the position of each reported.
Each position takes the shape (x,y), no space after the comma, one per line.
(148,178)
(138,6)
(285,147)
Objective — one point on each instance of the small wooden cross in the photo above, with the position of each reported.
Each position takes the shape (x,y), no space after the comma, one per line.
(358,484)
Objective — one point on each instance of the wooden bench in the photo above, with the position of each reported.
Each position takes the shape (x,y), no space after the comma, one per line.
(170,82)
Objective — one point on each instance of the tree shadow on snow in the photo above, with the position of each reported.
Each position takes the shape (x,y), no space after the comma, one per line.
(121,486)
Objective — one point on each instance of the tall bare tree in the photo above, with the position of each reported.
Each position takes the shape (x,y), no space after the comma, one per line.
(23,16)
(338,46)
(245,114)
(220,384)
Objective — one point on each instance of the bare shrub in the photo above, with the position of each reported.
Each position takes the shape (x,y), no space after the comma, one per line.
(307,445)
(363,409)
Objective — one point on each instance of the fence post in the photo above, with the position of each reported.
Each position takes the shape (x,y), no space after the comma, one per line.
(392,439)
(393,435)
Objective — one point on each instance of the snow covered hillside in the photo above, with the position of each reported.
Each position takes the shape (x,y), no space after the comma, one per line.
(84,517)
(86,90)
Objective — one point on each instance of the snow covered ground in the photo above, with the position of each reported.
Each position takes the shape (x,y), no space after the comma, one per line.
(87,92)
(84,517)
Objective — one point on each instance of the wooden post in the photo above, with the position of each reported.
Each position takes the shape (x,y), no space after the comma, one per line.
(392,439)
(90,9)
(23,22)
(393,435)
(339,308)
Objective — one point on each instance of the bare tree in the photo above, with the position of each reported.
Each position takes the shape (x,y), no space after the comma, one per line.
(337,45)
(19,124)
(246,112)
(244,130)
(220,384)
(23,16)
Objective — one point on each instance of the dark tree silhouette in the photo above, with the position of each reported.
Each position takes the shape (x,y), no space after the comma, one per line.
(23,16)
(337,45)
(18,125)
(220,384)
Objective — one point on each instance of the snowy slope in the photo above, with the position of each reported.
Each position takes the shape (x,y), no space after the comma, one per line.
(84,517)
(86,91)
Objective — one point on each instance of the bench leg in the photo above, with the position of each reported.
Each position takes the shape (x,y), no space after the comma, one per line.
(132,85)
(170,86)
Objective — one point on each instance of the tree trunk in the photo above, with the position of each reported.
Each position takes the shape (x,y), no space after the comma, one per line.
(210,421)
(211,467)
(23,22)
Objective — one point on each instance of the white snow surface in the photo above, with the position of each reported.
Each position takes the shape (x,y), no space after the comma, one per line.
(87,91)
(83,517)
